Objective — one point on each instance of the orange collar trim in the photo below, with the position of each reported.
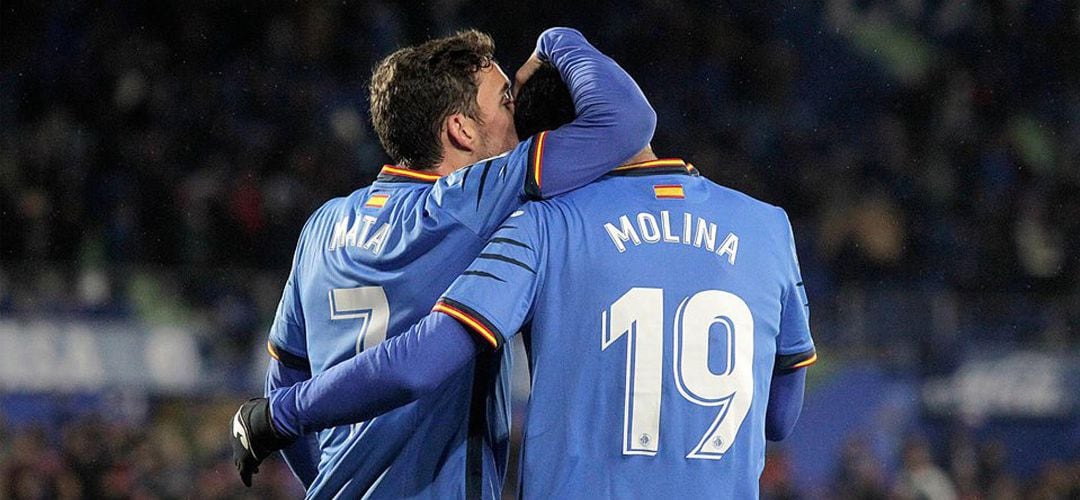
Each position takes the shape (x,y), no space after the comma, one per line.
(409,174)
(658,163)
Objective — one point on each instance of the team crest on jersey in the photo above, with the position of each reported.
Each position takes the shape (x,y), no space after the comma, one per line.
(668,191)
(377,201)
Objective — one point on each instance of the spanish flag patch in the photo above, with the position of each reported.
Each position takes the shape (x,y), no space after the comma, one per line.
(668,191)
(376,201)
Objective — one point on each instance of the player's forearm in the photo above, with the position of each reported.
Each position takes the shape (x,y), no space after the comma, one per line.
(393,374)
(302,456)
(614,119)
(785,403)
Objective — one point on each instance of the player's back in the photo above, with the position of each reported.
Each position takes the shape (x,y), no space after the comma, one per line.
(374,262)
(653,336)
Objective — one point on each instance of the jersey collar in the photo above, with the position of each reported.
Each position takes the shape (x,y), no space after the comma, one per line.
(390,173)
(656,167)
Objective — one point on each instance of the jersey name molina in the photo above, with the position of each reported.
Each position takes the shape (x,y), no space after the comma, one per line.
(655,306)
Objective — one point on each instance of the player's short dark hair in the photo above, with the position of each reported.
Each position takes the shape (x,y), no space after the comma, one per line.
(416,88)
(543,103)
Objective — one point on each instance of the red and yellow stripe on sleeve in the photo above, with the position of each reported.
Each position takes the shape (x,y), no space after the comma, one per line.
(471,320)
(802,364)
(272,350)
(538,158)
(287,358)
(535,167)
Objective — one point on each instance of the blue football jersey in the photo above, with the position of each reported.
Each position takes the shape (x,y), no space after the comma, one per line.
(655,306)
(375,262)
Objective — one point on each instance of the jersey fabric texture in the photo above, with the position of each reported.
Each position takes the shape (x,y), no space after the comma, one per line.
(375,262)
(372,263)
(655,306)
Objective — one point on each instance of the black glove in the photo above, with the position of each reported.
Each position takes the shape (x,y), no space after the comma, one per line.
(254,437)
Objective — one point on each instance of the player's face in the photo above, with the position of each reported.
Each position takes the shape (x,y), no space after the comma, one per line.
(496,110)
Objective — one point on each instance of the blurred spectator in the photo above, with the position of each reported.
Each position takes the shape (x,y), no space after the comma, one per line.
(927,145)
(93,458)
(920,478)
(204,135)
(158,161)
(858,475)
(776,480)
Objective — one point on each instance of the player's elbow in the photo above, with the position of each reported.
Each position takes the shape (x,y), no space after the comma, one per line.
(644,126)
(554,32)
(631,127)
(415,385)
(637,119)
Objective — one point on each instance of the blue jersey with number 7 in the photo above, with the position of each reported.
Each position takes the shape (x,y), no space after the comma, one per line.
(376,261)
(655,307)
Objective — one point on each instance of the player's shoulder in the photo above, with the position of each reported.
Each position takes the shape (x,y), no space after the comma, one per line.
(531,218)
(731,198)
(476,176)
(519,154)
(332,210)
(768,222)
(334,206)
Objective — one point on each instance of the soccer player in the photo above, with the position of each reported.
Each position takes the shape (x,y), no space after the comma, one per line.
(666,326)
(376,260)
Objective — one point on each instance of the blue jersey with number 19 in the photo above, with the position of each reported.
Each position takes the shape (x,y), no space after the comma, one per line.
(655,307)
(375,262)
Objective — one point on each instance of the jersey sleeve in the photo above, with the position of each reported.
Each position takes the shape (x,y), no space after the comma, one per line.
(614,122)
(481,195)
(288,339)
(795,347)
(493,297)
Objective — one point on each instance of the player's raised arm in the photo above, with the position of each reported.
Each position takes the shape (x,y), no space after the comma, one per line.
(614,119)
(611,121)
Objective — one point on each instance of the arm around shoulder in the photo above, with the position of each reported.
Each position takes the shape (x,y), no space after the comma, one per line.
(614,119)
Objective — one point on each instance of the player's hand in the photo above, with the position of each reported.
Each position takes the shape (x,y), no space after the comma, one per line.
(525,72)
(254,437)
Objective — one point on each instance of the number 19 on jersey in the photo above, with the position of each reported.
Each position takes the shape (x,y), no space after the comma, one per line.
(638,316)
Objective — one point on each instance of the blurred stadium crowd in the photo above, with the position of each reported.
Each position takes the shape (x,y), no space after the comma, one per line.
(179,454)
(158,160)
(969,470)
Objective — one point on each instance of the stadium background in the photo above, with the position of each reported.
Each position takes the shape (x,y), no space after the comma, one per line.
(157,161)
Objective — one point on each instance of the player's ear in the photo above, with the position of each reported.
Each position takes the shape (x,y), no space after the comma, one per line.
(461,131)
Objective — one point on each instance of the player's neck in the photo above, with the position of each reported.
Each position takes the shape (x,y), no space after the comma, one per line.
(645,155)
(452,161)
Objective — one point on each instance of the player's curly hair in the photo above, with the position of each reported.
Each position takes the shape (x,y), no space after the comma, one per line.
(543,103)
(416,88)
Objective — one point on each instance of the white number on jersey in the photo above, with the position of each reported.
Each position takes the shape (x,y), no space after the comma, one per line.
(369,304)
(638,315)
